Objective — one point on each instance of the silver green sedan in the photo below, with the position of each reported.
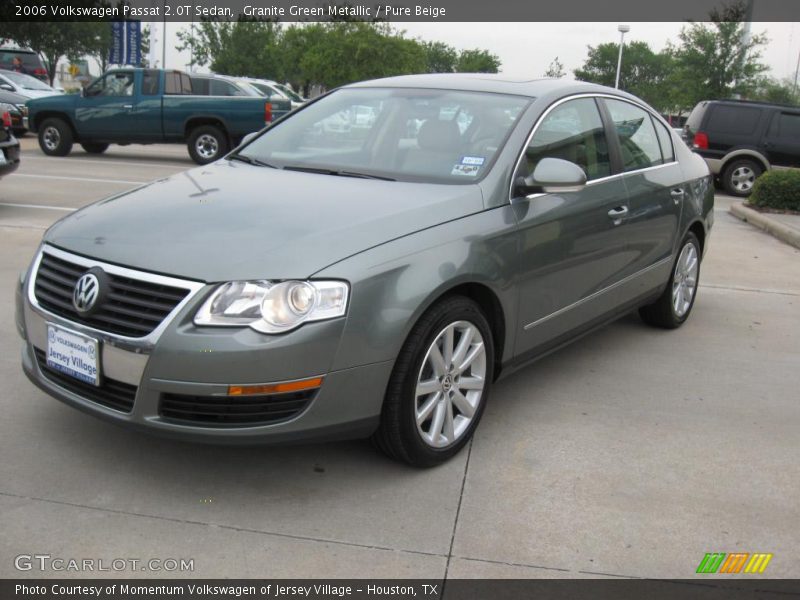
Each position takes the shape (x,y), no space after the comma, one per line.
(369,265)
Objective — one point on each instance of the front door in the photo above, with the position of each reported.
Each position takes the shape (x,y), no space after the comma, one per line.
(573,248)
(104,111)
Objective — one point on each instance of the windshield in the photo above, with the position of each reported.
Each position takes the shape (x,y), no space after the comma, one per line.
(436,136)
(26,81)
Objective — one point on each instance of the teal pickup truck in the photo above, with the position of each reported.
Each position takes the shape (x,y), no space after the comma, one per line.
(149,106)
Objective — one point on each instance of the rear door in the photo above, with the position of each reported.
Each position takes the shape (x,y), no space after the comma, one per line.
(783,139)
(654,182)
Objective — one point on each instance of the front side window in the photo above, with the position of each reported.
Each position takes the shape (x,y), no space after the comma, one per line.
(637,136)
(112,84)
(572,131)
(436,136)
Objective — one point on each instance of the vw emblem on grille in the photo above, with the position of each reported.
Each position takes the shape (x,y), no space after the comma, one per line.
(86,292)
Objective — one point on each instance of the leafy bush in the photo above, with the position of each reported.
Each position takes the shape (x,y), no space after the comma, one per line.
(777,189)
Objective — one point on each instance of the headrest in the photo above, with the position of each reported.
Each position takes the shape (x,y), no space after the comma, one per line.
(439,135)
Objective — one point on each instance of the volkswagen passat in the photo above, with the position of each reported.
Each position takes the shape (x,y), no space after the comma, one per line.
(322,283)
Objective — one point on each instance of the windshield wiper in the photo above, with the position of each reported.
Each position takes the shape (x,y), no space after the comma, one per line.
(323,171)
(251,161)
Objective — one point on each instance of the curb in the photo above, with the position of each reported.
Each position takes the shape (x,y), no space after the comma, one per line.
(763,221)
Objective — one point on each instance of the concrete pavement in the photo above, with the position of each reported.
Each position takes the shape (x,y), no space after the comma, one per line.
(631,453)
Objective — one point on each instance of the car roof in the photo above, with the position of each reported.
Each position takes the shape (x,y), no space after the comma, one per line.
(4,49)
(754,103)
(491,82)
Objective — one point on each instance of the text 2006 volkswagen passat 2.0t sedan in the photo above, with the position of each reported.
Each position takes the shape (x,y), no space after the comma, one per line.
(369,265)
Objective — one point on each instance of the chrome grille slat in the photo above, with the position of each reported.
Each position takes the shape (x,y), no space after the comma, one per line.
(133,308)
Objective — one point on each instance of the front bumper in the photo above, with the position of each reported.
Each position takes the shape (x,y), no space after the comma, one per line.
(192,362)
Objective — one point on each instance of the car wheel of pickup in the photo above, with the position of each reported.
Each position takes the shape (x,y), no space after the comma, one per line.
(94,148)
(55,137)
(207,143)
(674,305)
(439,385)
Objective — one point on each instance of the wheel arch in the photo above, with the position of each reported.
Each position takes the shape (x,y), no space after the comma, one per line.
(200,120)
(41,117)
(745,153)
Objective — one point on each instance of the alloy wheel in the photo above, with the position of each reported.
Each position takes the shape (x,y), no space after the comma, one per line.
(51,138)
(207,146)
(743,178)
(684,281)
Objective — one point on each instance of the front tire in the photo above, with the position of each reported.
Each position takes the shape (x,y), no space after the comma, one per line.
(673,307)
(207,143)
(93,148)
(439,386)
(739,177)
(55,137)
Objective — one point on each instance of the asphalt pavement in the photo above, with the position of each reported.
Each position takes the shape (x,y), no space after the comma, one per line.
(631,453)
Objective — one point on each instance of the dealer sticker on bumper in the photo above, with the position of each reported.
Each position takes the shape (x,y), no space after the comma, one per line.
(73,354)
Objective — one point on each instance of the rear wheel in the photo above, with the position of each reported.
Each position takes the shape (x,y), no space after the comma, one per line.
(672,309)
(55,137)
(740,175)
(207,143)
(93,148)
(439,386)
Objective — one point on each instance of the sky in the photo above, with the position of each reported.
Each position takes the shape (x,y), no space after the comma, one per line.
(526,49)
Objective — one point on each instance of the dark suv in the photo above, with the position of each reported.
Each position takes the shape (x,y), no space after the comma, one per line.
(23,61)
(741,139)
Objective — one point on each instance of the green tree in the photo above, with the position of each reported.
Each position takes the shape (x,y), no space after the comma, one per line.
(644,73)
(555,70)
(441,57)
(770,89)
(477,61)
(713,60)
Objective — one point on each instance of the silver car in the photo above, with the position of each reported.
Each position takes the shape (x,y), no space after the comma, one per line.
(321,284)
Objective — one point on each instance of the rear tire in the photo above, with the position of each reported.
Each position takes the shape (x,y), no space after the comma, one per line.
(673,307)
(433,406)
(93,148)
(739,177)
(55,137)
(207,143)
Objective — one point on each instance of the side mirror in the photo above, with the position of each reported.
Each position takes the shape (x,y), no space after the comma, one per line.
(7,87)
(553,175)
(249,138)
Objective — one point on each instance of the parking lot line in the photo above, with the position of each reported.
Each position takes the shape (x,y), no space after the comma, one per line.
(88,179)
(126,163)
(40,206)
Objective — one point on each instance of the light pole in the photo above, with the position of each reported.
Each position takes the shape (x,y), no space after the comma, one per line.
(623,29)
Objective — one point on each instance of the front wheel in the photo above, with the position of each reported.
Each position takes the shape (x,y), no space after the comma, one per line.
(672,308)
(439,385)
(55,137)
(207,143)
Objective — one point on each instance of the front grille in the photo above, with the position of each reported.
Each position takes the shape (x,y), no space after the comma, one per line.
(233,411)
(111,393)
(133,308)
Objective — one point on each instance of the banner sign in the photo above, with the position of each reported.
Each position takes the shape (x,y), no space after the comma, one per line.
(126,43)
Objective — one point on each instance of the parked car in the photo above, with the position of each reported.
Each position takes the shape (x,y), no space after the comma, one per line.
(220,85)
(23,61)
(146,106)
(18,111)
(9,146)
(276,90)
(25,85)
(741,139)
(314,286)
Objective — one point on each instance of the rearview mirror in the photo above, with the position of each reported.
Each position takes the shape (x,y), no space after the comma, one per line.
(553,175)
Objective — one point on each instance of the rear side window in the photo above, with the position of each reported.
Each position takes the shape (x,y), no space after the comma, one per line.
(740,120)
(637,137)
(786,125)
(573,131)
(665,141)
(176,82)
(200,87)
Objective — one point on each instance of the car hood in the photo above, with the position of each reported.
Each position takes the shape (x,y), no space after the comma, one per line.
(231,220)
(36,94)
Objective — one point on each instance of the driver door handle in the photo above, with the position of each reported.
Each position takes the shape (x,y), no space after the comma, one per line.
(618,213)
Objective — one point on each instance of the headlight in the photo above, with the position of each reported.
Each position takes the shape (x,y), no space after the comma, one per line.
(273,307)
